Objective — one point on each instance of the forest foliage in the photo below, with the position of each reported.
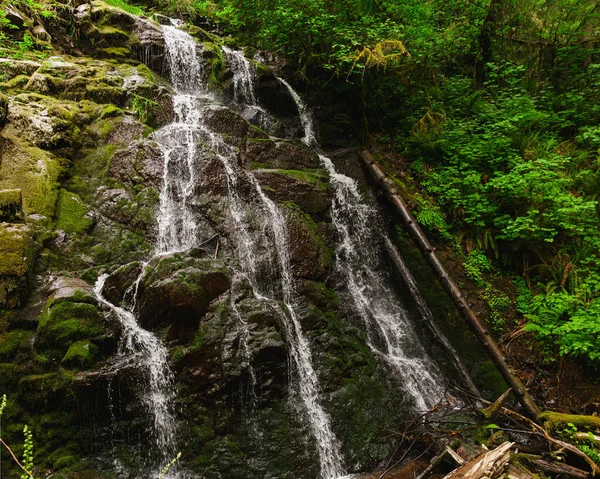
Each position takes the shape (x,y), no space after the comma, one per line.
(494,105)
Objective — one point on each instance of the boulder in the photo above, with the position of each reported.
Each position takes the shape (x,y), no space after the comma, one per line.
(288,156)
(120,281)
(70,289)
(72,316)
(226,122)
(308,189)
(177,291)
(141,162)
(310,257)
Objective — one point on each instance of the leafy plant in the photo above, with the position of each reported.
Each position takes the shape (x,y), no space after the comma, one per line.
(143,107)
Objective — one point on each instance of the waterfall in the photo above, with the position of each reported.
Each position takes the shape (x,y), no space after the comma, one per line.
(177,231)
(275,236)
(390,333)
(145,350)
(389,330)
(310,138)
(249,213)
(427,314)
(244,75)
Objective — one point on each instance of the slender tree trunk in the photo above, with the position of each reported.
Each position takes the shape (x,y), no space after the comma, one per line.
(467,313)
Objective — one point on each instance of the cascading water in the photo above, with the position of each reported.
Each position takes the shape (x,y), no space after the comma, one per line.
(390,333)
(306,119)
(427,314)
(277,238)
(177,230)
(244,74)
(145,350)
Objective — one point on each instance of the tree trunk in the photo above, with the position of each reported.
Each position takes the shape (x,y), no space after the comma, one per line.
(467,313)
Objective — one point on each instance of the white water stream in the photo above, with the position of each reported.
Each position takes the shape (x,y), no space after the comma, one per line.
(390,333)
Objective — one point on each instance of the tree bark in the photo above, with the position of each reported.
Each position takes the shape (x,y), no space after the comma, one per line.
(453,291)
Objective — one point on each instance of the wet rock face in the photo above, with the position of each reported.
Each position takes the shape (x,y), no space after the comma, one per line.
(139,163)
(81,148)
(178,291)
(110,32)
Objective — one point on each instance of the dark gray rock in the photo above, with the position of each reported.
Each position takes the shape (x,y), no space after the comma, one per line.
(308,190)
(177,291)
(141,162)
(289,156)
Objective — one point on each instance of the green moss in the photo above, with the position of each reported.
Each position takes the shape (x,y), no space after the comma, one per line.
(10,204)
(71,214)
(14,83)
(15,346)
(63,462)
(255,165)
(110,111)
(555,420)
(105,94)
(317,177)
(327,255)
(16,250)
(45,390)
(81,355)
(35,172)
(123,5)
(9,377)
(120,53)
(65,323)
(492,383)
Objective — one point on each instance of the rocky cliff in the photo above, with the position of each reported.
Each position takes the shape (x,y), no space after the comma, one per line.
(82,171)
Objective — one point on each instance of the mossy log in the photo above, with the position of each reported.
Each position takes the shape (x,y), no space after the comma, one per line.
(556,420)
(450,286)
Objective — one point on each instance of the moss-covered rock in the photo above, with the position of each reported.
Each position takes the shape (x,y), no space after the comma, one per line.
(178,291)
(287,155)
(72,215)
(310,257)
(65,323)
(17,255)
(51,391)
(11,204)
(80,355)
(15,346)
(309,189)
(34,171)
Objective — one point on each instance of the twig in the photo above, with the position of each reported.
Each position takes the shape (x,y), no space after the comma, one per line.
(216,249)
(15,458)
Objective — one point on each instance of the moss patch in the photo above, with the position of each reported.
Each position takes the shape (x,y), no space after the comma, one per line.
(81,355)
(65,323)
(72,214)
(35,172)
(317,177)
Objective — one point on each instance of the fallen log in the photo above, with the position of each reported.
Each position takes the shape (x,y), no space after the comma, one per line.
(557,420)
(560,468)
(488,465)
(450,286)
